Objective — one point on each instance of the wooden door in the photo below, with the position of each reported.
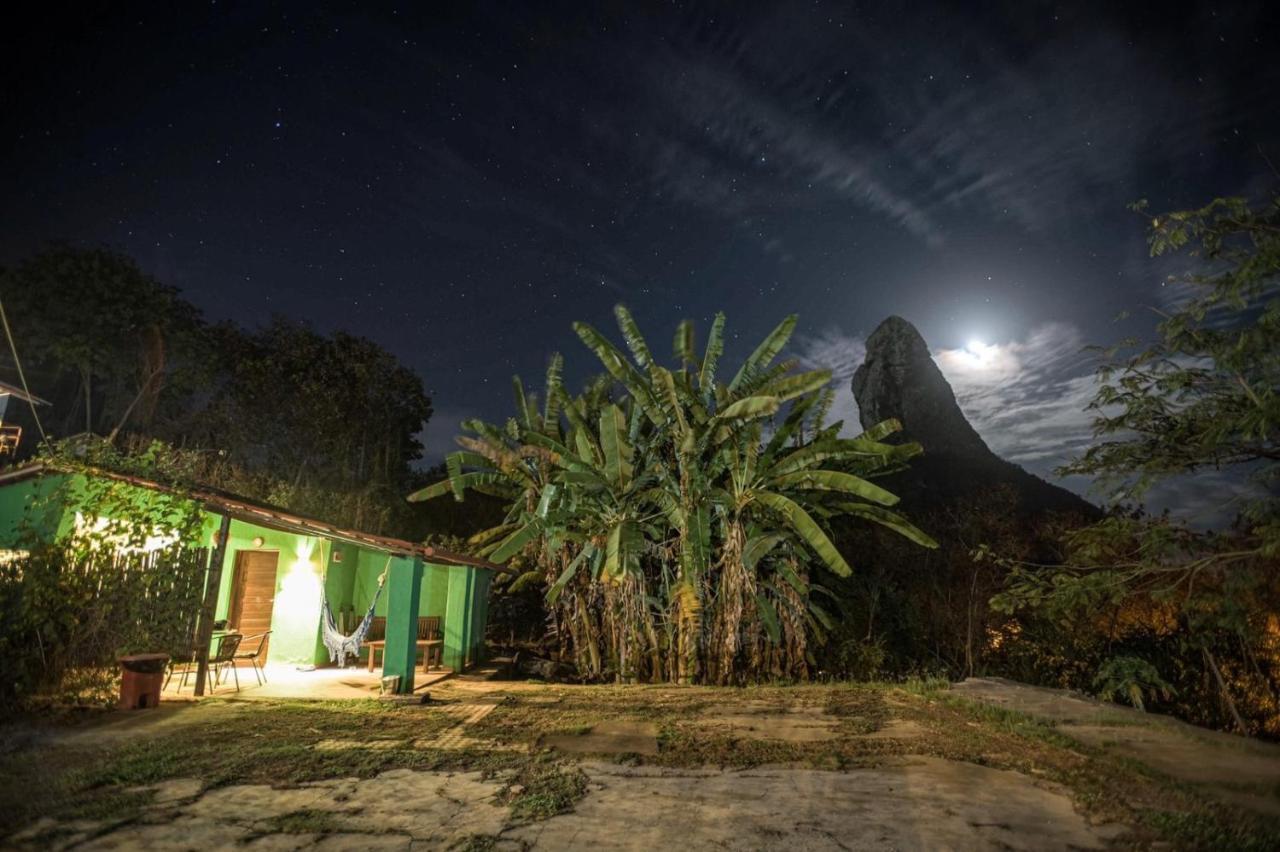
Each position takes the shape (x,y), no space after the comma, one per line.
(253,594)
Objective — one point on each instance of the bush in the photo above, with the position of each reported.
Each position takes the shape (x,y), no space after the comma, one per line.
(67,616)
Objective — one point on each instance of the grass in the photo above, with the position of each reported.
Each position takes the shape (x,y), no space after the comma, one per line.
(1201,831)
(105,777)
(302,822)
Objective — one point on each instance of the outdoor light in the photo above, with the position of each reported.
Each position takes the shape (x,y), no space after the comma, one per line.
(299,596)
(258,541)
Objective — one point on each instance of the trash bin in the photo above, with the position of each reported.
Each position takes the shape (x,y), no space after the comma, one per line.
(141,677)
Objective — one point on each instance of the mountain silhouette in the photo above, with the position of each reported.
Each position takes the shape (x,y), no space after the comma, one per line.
(898,378)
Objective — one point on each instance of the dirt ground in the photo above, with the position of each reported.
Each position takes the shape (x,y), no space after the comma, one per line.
(491,765)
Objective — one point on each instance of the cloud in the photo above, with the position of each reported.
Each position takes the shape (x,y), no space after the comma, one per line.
(1051,137)
(437,437)
(1026,398)
(753,130)
(772,113)
(833,350)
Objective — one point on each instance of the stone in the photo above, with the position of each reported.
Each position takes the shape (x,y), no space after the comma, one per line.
(898,379)
(176,790)
(896,729)
(1233,769)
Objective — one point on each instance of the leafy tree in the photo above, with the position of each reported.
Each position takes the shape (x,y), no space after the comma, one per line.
(1201,402)
(326,425)
(675,537)
(100,337)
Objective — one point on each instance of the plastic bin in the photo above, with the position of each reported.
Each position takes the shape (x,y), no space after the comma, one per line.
(141,678)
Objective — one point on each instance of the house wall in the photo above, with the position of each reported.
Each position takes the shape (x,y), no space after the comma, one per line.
(306,574)
(432,594)
(16,504)
(295,615)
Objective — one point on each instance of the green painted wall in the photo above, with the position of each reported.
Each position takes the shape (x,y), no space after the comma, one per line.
(295,622)
(15,500)
(431,598)
(404,586)
(457,620)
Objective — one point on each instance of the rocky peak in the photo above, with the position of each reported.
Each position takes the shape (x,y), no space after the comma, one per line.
(899,378)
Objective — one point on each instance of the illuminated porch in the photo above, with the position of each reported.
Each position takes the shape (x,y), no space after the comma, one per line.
(285,681)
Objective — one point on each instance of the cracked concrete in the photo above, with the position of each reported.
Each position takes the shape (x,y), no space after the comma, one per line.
(389,811)
(763,721)
(916,803)
(612,737)
(924,803)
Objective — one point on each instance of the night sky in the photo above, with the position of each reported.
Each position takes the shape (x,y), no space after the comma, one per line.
(461,185)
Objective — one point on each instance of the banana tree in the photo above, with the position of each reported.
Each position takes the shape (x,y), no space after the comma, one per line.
(675,523)
(711,466)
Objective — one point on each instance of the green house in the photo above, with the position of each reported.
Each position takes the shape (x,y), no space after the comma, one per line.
(278,568)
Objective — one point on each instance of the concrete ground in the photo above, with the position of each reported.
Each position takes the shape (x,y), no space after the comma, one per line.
(905,798)
(920,803)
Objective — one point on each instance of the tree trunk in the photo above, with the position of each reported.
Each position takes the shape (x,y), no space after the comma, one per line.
(1222,689)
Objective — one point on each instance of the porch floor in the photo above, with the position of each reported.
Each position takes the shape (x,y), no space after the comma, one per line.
(285,681)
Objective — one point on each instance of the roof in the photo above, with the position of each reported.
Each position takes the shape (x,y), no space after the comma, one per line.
(272,517)
(13,390)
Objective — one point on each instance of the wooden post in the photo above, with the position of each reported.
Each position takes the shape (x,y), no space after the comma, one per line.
(399,655)
(213,584)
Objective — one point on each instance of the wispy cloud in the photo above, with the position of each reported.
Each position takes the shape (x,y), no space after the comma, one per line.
(841,354)
(762,142)
(1027,398)
(1049,139)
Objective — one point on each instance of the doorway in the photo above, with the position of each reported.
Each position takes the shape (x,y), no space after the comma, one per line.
(253,593)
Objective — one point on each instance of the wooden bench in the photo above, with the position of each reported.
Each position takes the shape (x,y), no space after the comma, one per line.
(429,641)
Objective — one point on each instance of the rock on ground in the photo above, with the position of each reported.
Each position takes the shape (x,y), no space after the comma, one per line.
(1210,759)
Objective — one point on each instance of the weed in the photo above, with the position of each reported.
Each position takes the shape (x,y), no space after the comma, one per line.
(302,822)
(1209,831)
(542,789)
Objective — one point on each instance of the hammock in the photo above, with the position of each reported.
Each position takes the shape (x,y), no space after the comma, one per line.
(338,644)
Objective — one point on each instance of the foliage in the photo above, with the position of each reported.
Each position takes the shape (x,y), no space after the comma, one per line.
(325,425)
(1201,403)
(108,568)
(1130,679)
(100,337)
(926,611)
(675,538)
(68,615)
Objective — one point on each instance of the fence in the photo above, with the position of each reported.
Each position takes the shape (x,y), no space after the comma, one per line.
(66,617)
